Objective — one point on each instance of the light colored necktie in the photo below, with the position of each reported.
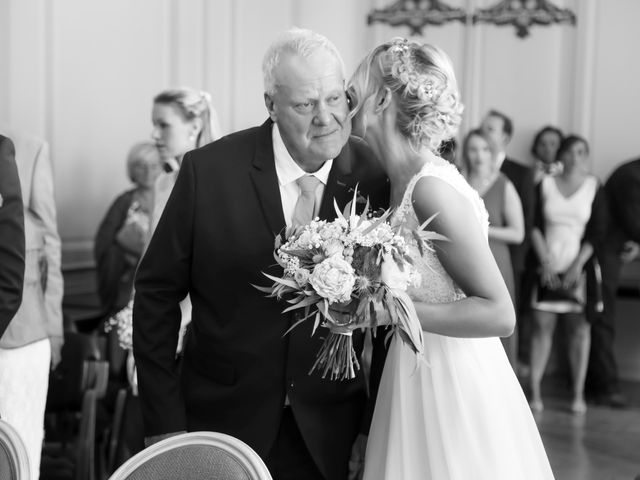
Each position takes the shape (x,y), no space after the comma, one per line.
(304,209)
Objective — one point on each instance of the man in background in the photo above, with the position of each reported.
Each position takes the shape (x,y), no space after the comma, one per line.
(499,128)
(11,235)
(32,343)
(622,245)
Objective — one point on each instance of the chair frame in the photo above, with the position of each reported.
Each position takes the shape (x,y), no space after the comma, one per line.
(14,445)
(244,453)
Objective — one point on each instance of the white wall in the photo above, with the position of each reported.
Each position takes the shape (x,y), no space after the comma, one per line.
(82,73)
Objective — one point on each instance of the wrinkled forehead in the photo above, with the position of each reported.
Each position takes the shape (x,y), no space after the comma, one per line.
(320,69)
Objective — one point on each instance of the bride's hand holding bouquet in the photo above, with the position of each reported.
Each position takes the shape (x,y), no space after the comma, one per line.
(347,274)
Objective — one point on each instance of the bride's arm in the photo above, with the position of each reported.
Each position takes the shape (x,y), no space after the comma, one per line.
(487,311)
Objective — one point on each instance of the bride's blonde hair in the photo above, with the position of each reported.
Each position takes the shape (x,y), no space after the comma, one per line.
(423,83)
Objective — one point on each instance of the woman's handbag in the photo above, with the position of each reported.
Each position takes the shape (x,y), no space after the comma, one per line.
(576,294)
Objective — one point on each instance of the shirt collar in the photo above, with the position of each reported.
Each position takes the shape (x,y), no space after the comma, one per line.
(286,168)
(171,165)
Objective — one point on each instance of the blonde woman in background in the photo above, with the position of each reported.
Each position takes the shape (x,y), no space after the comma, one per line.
(183,119)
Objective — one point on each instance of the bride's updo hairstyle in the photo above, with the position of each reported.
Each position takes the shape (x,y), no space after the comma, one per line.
(424,86)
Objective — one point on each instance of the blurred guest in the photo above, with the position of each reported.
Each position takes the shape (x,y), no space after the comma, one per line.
(621,245)
(570,222)
(33,341)
(499,128)
(183,120)
(124,230)
(448,151)
(544,149)
(506,220)
(12,235)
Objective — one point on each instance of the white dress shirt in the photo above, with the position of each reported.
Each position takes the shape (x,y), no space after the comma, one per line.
(289,171)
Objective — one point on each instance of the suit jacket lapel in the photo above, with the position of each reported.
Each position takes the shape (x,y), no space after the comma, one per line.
(265,180)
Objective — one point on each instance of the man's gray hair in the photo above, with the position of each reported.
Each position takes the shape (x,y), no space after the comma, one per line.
(297,41)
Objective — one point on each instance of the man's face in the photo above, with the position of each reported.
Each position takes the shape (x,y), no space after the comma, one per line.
(493,127)
(310,108)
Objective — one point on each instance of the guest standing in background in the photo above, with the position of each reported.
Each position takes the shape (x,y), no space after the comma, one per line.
(621,245)
(571,221)
(183,120)
(12,235)
(544,149)
(124,230)
(32,343)
(506,220)
(499,128)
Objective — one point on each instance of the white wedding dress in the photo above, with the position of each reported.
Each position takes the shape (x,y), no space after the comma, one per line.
(459,413)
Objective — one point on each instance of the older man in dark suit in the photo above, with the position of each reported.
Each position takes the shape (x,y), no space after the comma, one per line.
(11,235)
(241,374)
(622,245)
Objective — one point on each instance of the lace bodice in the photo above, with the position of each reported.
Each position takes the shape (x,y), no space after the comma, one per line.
(437,286)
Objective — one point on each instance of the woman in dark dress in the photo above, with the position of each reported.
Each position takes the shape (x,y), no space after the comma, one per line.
(506,220)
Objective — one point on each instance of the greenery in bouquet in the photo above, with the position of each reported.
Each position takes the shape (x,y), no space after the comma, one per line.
(347,274)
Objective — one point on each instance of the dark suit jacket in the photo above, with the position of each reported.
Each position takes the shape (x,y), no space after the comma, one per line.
(11,235)
(215,237)
(522,179)
(623,195)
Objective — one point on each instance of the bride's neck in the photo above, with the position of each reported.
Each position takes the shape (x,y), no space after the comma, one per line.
(401,161)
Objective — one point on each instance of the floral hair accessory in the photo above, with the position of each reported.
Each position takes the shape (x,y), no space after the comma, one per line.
(404,69)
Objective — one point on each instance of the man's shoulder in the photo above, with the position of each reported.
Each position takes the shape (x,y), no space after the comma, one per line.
(517,171)
(231,150)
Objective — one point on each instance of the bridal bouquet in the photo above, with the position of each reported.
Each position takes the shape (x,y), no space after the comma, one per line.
(123,322)
(347,274)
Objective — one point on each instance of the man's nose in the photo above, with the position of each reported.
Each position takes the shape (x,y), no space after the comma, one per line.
(154,134)
(322,114)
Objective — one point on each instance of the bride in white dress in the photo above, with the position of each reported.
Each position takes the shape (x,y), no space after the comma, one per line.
(459,413)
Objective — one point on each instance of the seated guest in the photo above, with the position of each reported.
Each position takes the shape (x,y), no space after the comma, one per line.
(544,149)
(32,343)
(570,222)
(506,220)
(12,235)
(124,229)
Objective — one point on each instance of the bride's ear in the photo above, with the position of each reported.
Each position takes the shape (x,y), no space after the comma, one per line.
(383,99)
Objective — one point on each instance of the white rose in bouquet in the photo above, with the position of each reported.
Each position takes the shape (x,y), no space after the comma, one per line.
(393,277)
(333,279)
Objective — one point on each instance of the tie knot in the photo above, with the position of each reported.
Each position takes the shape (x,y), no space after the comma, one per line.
(308,184)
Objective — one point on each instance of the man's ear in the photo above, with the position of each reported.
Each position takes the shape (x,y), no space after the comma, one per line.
(383,99)
(270,104)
